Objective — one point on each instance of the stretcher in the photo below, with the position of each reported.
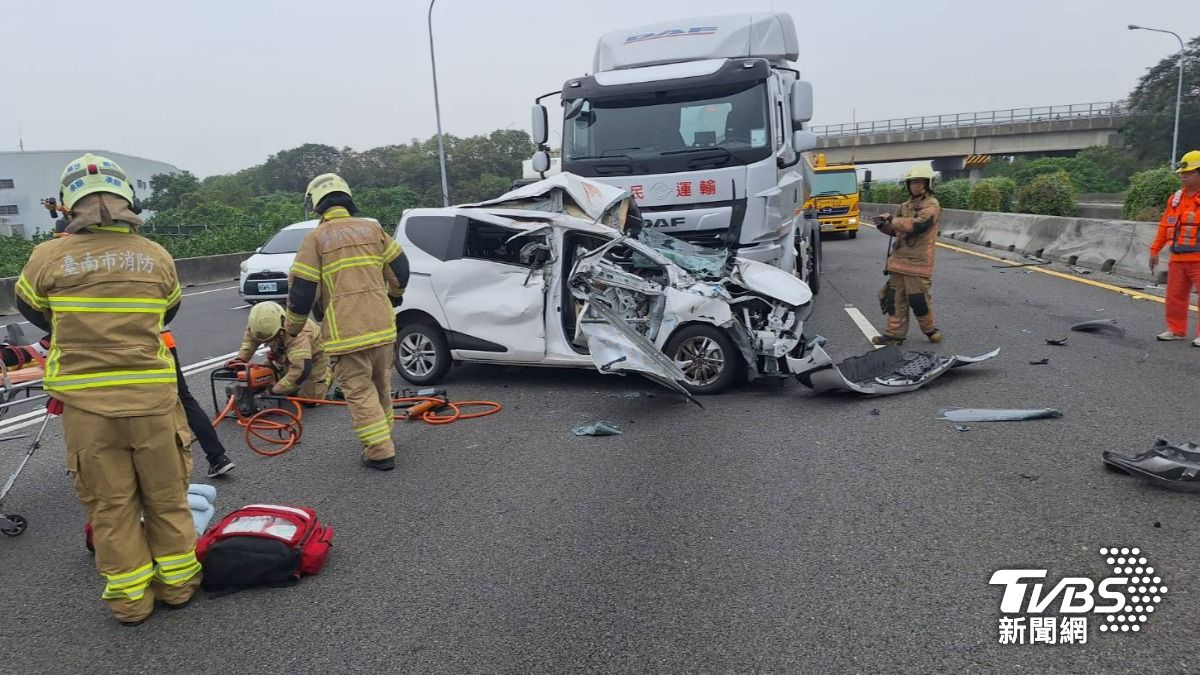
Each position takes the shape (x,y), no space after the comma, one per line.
(20,385)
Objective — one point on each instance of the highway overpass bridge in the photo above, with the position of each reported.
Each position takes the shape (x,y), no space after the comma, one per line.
(962,142)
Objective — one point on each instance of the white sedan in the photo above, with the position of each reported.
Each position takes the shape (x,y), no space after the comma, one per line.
(552,275)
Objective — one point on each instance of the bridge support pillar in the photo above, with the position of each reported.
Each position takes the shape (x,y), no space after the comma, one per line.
(951,167)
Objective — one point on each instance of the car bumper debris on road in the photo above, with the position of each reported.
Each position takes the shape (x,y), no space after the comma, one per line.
(1174,466)
(888,370)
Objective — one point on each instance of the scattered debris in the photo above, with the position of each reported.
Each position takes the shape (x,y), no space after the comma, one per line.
(1036,259)
(961,427)
(1057,342)
(1157,524)
(598,429)
(1081,271)
(873,411)
(1099,326)
(630,395)
(1028,264)
(1167,465)
(1133,288)
(995,414)
(1144,357)
(1039,362)
(886,370)
(1028,477)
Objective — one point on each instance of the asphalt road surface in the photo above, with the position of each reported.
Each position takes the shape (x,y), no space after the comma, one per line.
(773,531)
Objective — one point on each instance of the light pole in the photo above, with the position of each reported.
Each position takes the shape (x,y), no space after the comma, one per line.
(1178,90)
(437,111)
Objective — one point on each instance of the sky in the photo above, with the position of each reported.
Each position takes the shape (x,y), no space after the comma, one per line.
(217,86)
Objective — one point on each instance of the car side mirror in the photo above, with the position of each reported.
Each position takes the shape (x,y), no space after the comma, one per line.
(541,161)
(541,125)
(258,250)
(802,101)
(803,141)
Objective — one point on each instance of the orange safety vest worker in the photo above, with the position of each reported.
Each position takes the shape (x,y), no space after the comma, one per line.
(1179,230)
(104,295)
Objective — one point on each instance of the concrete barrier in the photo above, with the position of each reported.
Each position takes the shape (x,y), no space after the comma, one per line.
(1117,246)
(192,272)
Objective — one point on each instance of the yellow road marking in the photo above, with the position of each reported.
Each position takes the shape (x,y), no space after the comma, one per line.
(1061,275)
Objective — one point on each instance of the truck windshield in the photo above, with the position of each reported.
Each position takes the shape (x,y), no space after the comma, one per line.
(834,183)
(667,131)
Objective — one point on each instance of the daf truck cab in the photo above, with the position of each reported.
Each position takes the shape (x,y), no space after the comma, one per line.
(701,120)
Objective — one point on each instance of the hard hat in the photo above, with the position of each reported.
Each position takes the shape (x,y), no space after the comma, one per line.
(90,174)
(266,320)
(1189,162)
(321,187)
(919,171)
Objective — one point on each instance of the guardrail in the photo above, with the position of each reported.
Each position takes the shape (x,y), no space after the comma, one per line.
(977,119)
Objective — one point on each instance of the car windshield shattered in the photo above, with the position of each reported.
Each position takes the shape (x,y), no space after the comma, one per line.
(704,263)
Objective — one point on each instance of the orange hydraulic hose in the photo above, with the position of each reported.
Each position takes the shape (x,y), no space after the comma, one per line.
(290,427)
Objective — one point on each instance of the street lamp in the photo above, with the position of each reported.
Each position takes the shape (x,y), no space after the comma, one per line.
(437,111)
(1178,90)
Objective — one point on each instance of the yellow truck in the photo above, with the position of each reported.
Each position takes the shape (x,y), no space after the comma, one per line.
(834,196)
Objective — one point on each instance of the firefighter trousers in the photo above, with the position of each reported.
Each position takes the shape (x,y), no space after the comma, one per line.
(909,292)
(1182,277)
(365,377)
(131,474)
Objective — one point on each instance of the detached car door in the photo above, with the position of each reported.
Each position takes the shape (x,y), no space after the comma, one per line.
(493,302)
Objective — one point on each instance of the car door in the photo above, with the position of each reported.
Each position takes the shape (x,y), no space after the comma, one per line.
(493,301)
(612,280)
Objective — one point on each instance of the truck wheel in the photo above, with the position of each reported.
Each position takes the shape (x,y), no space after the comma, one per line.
(852,234)
(422,353)
(706,356)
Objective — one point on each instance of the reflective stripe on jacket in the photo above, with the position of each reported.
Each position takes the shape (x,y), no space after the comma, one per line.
(348,259)
(106,293)
(1180,227)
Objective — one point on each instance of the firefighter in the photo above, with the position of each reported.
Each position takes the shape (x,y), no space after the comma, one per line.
(910,259)
(108,292)
(1180,227)
(300,363)
(355,274)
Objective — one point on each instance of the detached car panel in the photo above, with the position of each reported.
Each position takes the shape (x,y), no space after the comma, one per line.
(888,370)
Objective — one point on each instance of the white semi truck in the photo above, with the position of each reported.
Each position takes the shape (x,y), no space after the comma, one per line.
(702,121)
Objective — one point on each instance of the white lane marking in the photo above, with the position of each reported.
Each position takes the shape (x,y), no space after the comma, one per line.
(863,323)
(214,290)
(35,416)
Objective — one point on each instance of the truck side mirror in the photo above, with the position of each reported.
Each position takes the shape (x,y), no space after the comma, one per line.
(541,161)
(802,101)
(803,141)
(541,125)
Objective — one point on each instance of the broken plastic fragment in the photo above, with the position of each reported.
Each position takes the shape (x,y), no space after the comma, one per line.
(961,427)
(1165,464)
(995,414)
(598,429)
(1099,326)
(886,370)
(1039,362)
(1057,342)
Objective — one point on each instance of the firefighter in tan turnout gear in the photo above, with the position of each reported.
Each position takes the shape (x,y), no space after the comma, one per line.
(107,292)
(301,366)
(358,273)
(914,230)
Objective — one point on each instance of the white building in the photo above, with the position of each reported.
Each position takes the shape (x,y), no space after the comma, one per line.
(26,178)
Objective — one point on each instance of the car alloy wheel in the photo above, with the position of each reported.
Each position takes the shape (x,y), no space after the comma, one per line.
(701,359)
(418,356)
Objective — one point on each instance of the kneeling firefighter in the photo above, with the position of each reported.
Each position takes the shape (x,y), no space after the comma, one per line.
(107,292)
(301,367)
(914,230)
(353,273)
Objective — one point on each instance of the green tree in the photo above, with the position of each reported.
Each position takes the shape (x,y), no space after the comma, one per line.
(167,190)
(985,196)
(1150,130)
(1148,193)
(953,194)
